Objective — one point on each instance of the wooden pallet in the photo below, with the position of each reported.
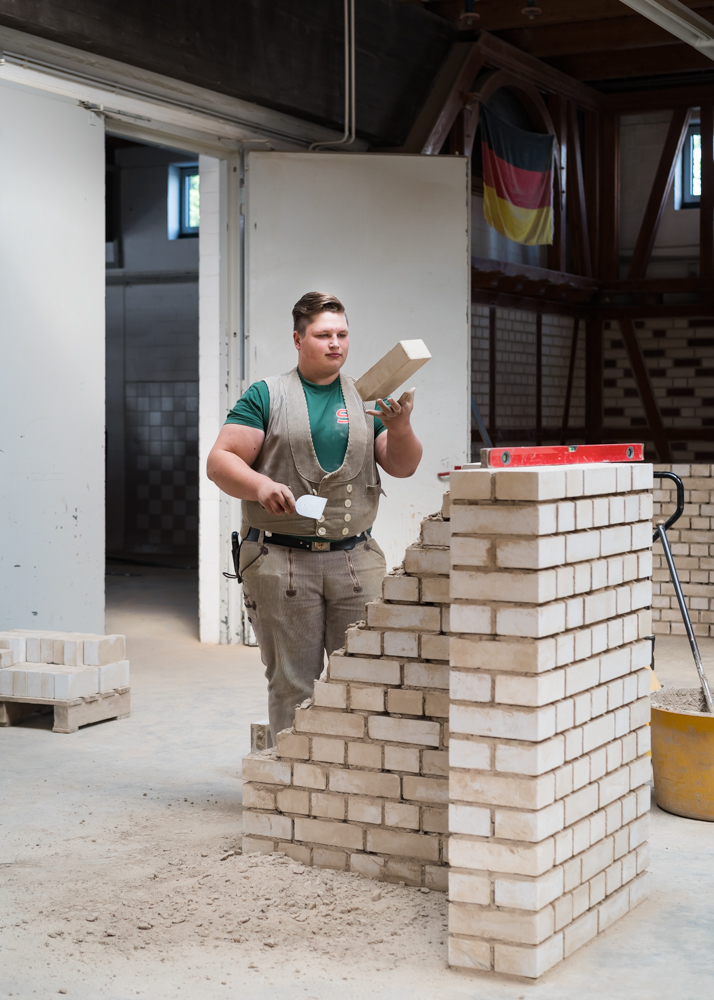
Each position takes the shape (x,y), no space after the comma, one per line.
(69,715)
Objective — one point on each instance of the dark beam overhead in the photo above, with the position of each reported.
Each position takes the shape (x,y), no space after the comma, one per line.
(625,64)
(500,15)
(282,54)
(659,98)
(501,55)
(593,41)
(588,36)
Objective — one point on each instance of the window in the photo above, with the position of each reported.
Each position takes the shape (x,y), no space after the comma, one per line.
(190,201)
(692,167)
(184,200)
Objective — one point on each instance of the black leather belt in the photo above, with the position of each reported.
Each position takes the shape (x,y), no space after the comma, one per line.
(298,543)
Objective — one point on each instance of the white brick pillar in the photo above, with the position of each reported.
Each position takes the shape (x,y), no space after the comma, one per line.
(550,679)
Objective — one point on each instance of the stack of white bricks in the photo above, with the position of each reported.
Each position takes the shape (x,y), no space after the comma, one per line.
(550,683)
(360,782)
(60,665)
(692,542)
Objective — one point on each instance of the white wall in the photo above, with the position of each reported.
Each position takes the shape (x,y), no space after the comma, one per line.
(52,351)
(213,589)
(389,236)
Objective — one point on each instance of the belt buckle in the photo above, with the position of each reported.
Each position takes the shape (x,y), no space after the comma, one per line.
(320,546)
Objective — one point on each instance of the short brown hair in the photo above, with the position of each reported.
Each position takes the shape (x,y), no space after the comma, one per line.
(311,305)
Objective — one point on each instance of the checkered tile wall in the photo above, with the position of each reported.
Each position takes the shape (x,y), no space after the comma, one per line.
(162,468)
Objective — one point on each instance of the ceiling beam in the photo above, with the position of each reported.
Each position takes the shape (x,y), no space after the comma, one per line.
(445,101)
(658,99)
(498,15)
(611,34)
(631,63)
(679,20)
(501,55)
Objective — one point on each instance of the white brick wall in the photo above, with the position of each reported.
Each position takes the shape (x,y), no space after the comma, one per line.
(549,696)
(367,759)
(536,787)
(516,370)
(679,354)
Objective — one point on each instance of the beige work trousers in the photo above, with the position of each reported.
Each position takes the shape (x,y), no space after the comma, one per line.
(300,603)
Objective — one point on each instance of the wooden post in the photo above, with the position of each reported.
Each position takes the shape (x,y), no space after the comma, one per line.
(593,380)
(609,258)
(591,173)
(557,257)
(492,373)
(661,187)
(457,136)
(706,202)
(644,387)
(539,380)
(577,208)
(571,377)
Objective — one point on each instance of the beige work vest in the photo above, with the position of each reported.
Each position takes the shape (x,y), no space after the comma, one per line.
(288,456)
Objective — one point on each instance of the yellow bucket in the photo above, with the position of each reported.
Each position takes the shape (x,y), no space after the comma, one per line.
(683,754)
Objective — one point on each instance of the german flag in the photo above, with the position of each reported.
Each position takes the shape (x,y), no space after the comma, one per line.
(517,180)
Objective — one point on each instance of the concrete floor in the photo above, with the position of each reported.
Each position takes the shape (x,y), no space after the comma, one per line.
(87,820)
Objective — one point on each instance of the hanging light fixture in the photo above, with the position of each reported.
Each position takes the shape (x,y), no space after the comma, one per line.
(531,10)
(469,16)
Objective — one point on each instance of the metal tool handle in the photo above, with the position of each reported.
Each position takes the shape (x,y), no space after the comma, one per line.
(661,533)
(680,500)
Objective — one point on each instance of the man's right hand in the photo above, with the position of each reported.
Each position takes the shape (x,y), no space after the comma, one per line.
(276,497)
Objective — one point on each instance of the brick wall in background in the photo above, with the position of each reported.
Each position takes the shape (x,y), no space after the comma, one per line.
(516,373)
(692,542)
(679,354)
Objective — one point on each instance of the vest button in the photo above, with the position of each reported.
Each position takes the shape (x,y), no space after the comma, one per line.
(345,531)
(321,518)
(348,503)
(349,487)
(321,531)
(348,517)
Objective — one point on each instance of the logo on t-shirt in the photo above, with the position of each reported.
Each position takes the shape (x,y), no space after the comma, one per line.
(343,416)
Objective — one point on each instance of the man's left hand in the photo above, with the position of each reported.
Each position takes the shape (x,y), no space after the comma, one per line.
(395,414)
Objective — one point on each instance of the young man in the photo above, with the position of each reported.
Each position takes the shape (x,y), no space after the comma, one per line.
(307,432)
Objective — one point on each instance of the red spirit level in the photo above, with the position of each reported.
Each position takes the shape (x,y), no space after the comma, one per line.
(581,454)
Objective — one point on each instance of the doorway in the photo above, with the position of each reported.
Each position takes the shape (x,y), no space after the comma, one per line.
(152,215)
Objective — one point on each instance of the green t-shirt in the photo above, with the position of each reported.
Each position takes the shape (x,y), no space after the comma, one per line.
(329,422)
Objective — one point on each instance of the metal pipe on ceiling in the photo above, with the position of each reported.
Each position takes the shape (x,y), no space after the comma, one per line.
(679,21)
(350,132)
